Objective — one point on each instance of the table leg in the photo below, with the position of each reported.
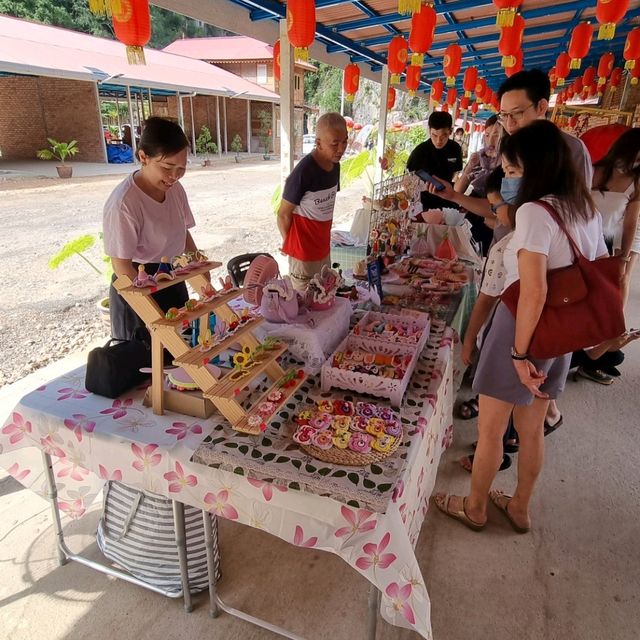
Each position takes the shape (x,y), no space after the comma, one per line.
(181,544)
(214,611)
(372,617)
(52,494)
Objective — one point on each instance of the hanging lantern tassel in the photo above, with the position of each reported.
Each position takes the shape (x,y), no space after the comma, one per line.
(630,64)
(417,59)
(508,61)
(505,17)
(607,31)
(635,73)
(132,26)
(135,55)
(409,7)
(101,7)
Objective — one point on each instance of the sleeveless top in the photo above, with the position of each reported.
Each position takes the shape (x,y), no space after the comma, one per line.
(612,205)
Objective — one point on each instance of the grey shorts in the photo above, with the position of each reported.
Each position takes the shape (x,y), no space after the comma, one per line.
(301,272)
(495,374)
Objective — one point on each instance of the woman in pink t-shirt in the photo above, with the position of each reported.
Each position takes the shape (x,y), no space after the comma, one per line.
(146,217)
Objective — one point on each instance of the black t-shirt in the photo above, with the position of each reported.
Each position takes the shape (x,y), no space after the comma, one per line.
(438,162)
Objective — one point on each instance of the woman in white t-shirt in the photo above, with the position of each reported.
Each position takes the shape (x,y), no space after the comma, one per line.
(538,165)
(147,217)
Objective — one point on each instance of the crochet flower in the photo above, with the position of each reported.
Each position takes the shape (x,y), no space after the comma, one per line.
(321,421)
(386,413)
(393,427)
(275,396)
(366,409)
(303,434)
(343,408)
(384,443)
(341,439)
(360,442)
(266,409)
(325,406)
(304,417)
(375,426)
(359,423)
(341,424)
(323,439)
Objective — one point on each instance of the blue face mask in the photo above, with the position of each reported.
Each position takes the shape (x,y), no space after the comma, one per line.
(509,189)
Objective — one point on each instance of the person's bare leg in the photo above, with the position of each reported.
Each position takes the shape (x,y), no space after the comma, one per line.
(492,422)
(529,421)
(626,278)
(553,413)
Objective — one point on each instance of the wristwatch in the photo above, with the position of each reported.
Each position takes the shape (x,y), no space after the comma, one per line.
(494,207)
(518,356)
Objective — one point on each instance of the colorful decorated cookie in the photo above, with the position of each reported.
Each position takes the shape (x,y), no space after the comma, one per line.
(325,406)
(360,442)
(375,426)
(341,424)
(323,439)
(341,440)
(366,409)
(383,444)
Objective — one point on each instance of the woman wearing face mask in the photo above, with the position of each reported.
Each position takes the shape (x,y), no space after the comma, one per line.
(508,380)
(616,194)
(147,217)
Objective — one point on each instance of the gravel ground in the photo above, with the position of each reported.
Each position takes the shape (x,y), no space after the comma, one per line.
(45,315)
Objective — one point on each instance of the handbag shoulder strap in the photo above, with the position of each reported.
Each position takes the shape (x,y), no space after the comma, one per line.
(554,214)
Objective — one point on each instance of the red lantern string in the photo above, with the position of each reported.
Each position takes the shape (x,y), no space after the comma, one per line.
(132,26)
(580,44)
(301,26)
(608,13)
(397,58)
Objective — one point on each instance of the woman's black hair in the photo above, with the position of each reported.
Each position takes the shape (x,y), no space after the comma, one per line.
(161,137)
(548,170)
(623,153)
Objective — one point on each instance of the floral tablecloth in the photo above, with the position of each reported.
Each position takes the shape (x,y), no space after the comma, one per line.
(93,439)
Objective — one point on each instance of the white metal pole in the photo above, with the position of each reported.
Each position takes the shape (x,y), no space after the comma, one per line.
(100,125)
(118,116)
(218,126)
(180,110)
(273,126)
(249,128)
(224,113)
(342,94)
(134,146)
(193,125)
(150,102)
(382,121)
(286,103)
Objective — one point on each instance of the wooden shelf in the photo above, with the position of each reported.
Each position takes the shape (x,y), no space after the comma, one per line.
(206,307)
(226,387)
(197,357)
(147,291)
(243,425)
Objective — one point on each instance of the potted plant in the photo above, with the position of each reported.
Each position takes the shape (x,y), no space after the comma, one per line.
(206,145)
(236,146)
(265,132)
(60,151)
(77,247)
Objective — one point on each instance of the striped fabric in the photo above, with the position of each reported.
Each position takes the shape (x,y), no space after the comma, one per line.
(136,532)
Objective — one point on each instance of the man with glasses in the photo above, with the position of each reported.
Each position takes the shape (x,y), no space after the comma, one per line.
(438,156)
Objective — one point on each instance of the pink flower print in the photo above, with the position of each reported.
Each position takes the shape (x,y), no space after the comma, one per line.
(400,600)
(73,470)
(50,447)
(42,387)
(374,556)
(298,539)
(79,422)
(357,522)
(267,487)
(14,470)
(118,408)
(218,503)
(403,512)
(447,438)
(398,491)
(17,429)
(146,457)
(104,474)
(421,425)
(74,509)
(178,480)
(73,393)
(182,429)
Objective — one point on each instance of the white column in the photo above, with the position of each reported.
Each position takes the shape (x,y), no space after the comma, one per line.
(286,103)
(273,126)
(102,138)
(382,121)
(218,126)
(249,126)
(150,102)
(342,94)
(224,114)
(118,112)
(180,110)
(133,133)
(193,125)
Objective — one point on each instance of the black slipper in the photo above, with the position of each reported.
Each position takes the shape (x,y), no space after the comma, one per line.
(468,409)
(506,462)
(550,428)
(612,371)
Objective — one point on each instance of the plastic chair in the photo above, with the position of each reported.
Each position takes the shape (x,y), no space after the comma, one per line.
(238,267)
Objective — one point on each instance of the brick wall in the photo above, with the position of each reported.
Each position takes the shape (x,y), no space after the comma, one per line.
(33,109)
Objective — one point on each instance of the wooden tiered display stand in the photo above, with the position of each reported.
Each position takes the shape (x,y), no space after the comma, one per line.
(221,393)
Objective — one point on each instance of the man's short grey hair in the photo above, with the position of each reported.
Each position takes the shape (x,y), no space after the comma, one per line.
(331,120)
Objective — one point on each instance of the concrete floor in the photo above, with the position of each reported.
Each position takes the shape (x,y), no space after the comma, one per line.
(576,576)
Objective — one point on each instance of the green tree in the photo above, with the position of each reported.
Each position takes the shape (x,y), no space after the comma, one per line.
(323,89)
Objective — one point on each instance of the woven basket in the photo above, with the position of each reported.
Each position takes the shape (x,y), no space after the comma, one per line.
(347,457)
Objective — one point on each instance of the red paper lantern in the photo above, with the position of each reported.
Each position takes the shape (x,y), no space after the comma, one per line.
(571,91)
(445,108)
(349,122)
(276,60)
(464,103)
(562,67)
(391,98)
(451,63)
(580,44)
(413,78)
(357,126)
(397,58)
(578,85)
(481,88)
(589,76)
(510,41)
(467,127)
(592,89)
(632,48)
(506,11)
(553,76)
(437,87)
(509,71)
(423,26)
(560,98)
(635,73)
(616,76)
(608,13)
(351,81)
(470,80)
(452,96)
(301,26)
(573,121)
(605,66)
(132,26)
(474,108)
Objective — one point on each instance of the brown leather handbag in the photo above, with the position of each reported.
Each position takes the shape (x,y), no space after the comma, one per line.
(583,306)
